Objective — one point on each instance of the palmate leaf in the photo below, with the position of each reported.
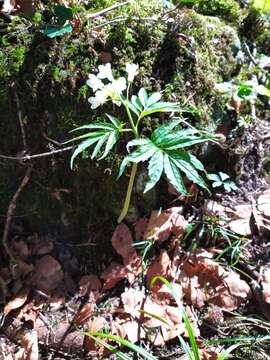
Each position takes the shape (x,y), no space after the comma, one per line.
(142,154)
(155,170)
(173,175)
(144,104)
(104,134)
(158,151)
(184,163)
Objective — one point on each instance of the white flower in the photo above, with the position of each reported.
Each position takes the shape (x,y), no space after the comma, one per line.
(105,72)
(115,89)
(119,85)
(100,98)
(111,91)
(132,71)
(94,83)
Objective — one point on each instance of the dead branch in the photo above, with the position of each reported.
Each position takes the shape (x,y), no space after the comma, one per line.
(20,116)
(12,208)
(108,9)
(35,156)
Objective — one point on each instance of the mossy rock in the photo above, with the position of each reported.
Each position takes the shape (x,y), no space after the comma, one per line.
(197,52)
(229,10)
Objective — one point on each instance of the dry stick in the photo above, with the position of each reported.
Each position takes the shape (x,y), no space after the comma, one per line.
(30,157)
(20,116)
(12,208)
(108,9)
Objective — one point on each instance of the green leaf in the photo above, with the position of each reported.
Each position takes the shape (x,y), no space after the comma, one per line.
(136,103)
(245,91)
(99,145)
(223,176)
(88,135)
(233,185)
(155,169)
(163,130)
(213,177)
(181,139)
(196,162)
(225,353)
(84,145)
(160,107)
(132,108)
(173,175)
(63,13)
(137,142)
(137,349)
(195,354)
(153,98)
(227,187)
(143,97)
(217,184)
(112,139)
(105,133)
(53,31)
(143,153)
(114,121)
(113,349)
(105,126)
(182,161)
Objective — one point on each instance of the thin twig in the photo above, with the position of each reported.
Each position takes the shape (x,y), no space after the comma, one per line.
(12,208)
(108,9)
(249,54)
(30,157)
(20,116)
(123,18)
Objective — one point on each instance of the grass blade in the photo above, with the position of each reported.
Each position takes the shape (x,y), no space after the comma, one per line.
(125,343)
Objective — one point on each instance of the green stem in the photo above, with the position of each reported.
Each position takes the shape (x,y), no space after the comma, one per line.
(128,195)
(134,165)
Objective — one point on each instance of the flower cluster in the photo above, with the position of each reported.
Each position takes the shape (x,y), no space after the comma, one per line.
(112,90)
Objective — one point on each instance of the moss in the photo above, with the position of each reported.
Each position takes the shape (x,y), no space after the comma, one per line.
(255,26)
(228,10)
(197,52)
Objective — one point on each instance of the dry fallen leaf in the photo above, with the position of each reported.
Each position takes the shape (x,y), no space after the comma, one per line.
(140,228)
(162,224)
(122,241)
(116,272)
(90,284)
(94,325)
(83,314)
(132,300)
(161,266)
(263,203)
(29,350)
(205,281)
(113,274)
(18,301)
(48,274)
(240,219)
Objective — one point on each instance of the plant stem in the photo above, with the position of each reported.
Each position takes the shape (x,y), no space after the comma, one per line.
(128,195)
(134,165)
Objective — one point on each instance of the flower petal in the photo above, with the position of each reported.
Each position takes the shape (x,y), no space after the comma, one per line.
(132,71)
(105,72)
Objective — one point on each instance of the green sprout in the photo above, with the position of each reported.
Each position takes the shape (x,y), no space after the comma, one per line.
(222,180)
